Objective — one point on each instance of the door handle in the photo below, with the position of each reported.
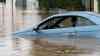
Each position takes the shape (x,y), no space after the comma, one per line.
(72,34)
(69,34)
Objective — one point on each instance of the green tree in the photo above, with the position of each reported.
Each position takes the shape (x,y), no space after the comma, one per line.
(66,4)
(3,1)
(99,5)
(43,4)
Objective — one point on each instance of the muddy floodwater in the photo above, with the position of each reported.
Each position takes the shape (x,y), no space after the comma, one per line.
(52,47)
(49,47)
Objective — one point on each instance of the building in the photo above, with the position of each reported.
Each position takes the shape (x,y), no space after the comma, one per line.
(91,5)
(26,4)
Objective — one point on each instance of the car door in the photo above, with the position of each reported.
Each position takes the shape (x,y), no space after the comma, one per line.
(57,29)
(86,31)
(85,28)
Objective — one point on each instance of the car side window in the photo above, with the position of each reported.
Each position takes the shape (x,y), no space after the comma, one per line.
(82,21)
(65,22)
(57,22)
(69,21)
(49,24)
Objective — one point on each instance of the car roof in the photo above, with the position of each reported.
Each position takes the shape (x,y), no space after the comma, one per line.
(78,12)
(94,17)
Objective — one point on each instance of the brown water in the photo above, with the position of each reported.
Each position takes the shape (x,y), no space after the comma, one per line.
(28,17)
(25,18)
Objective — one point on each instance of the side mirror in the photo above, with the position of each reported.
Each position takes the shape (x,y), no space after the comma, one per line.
(35,29)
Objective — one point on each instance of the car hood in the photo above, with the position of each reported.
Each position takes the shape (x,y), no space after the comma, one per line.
(27,32)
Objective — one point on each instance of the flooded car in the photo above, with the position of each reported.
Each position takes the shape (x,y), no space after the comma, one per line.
(71,28)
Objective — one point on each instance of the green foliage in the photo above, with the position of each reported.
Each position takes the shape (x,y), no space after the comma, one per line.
(59,4)
(3,1)
(99,5)
(43,4)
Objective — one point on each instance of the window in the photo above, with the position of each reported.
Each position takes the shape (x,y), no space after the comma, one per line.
(68,22)
(56,22)
(84,22)
(50,23)
(65,22)
(74,21)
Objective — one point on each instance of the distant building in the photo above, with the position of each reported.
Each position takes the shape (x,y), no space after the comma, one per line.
(26,4)
(21,4)
(91,5)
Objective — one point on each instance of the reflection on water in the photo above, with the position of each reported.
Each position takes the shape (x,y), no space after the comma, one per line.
(35,15)
(25,18)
